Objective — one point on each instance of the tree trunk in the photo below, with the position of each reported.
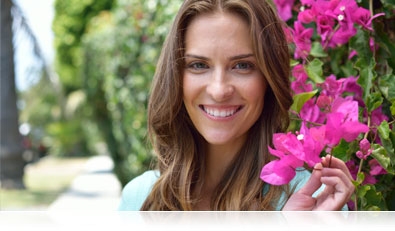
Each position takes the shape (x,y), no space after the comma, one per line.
(11,149)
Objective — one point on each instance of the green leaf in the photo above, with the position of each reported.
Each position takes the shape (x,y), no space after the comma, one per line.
(392,108)
(374,199)
(314,71)
(374,100)
(361,192)
(300,99)
(380,154)
(386,137)
(317,50)
(360,178)
(367,76)
(384,130)
(345,150)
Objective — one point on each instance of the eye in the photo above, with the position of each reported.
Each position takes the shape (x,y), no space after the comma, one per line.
(197,65)
(244,66)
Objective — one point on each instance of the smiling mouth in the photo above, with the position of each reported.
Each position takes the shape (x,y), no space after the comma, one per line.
(220,112)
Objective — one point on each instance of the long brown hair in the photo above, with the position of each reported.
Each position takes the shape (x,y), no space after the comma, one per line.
(180,148)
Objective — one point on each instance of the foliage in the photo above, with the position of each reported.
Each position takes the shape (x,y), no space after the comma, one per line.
(70,131)
(120,53)
(344,94)
(71,19)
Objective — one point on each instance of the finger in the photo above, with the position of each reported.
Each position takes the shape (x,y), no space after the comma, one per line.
(336,163)
(338,179)
(314,181)
(341,190)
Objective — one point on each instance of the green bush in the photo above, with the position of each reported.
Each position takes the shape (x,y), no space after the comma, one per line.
(120,53)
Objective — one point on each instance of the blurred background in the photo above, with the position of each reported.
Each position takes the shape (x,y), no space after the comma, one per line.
(75,78)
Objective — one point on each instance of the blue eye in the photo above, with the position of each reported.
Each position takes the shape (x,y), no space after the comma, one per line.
(198,65)
(244,66)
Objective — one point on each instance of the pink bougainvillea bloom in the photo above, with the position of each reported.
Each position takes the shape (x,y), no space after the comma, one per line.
(288,34)
(282,171)
(364,149)
(342,122)
(344,33)
(332,87)
(302,40)
(350,85)
(311,112)
(324,102)
(376,168)
(372,44)
(313,141)
(325,26)
(307,16)
(284,8)
(352,54)
(363,17)
(299,85)
(293,151)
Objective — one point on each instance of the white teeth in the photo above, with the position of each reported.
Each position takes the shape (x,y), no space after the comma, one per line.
(219,113)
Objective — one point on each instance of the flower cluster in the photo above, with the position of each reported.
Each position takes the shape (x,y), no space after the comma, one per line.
(342,97)
(326,120)
(334,21)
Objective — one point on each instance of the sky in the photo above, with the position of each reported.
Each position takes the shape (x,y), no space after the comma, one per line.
(39,15)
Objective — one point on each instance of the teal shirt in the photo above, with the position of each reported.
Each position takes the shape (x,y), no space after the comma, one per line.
(138,189)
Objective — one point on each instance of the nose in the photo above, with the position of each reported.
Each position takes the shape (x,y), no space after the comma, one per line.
(220,87)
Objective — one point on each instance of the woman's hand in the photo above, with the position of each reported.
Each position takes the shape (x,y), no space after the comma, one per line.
(338,188)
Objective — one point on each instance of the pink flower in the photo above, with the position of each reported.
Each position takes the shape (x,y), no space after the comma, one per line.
(362,17)
(364,149)
(284,8)
(292,152)
(282,171)
(375,168)
(352,54)
(311,112)
(279,172)
(299,85)
(325,26)
(342,35)
(372,45)
(342,122)
(302,39)
(313,140)
(307,16)
(332,87)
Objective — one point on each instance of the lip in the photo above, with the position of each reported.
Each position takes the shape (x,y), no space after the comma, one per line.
(220,112)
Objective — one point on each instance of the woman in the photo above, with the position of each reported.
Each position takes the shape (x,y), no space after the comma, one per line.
(220,91)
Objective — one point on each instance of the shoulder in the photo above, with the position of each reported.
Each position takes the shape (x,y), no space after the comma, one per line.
(137,190)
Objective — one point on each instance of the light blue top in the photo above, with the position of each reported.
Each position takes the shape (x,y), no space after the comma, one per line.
(138,189)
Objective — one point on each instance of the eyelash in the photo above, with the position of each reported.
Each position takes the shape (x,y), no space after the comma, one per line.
(195,65)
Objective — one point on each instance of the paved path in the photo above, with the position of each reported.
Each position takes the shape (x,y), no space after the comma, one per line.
(96,188)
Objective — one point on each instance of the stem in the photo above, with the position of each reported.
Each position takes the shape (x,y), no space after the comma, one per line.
(361,162)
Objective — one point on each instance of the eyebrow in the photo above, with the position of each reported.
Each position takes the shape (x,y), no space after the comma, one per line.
(242,56)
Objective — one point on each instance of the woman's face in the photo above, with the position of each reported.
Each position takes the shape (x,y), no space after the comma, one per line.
(223,88)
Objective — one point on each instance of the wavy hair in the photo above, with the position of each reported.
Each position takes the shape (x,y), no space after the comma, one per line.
(178,145)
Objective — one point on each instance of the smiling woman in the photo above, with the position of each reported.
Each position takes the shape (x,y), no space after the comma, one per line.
(220,92)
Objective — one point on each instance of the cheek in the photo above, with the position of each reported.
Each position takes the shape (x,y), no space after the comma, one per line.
(190,89)
(255,92)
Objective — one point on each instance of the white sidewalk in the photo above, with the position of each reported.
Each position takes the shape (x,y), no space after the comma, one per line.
(96,188)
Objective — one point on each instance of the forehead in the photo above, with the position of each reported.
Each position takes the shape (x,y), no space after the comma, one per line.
(228,30)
